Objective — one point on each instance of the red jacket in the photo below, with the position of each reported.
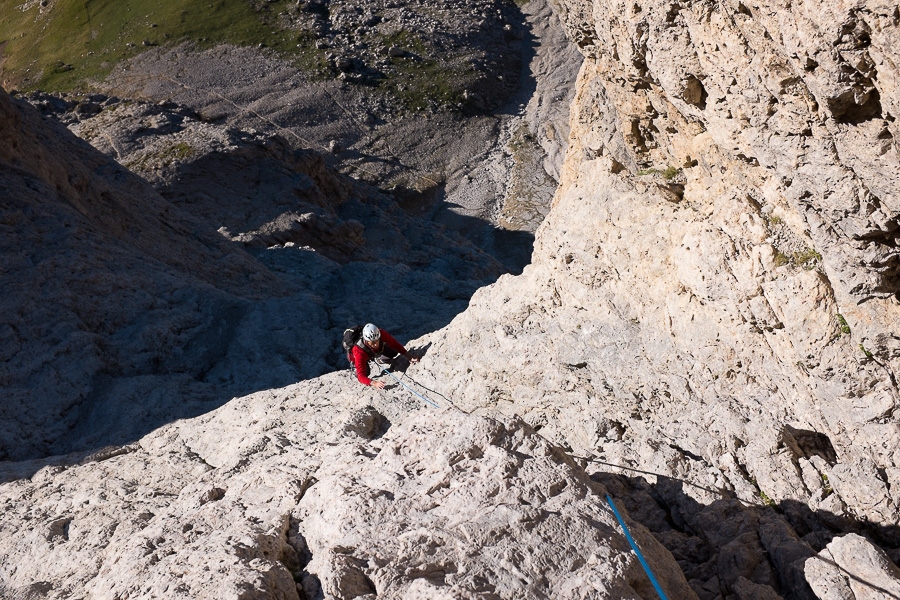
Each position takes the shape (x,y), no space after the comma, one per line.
(361,358)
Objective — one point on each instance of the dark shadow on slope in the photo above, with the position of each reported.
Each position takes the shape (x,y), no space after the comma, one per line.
(510,248)
(718,543)
(407,277)
(187,354)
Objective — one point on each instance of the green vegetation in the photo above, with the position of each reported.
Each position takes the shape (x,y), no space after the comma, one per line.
(178,153)
(766,500)
(419,83)
(418,80)
(69,43)
(408,41)
(827,485)
(808,259)
(174,154)
(842,323)
(866,352)
(670,173)
(781,259)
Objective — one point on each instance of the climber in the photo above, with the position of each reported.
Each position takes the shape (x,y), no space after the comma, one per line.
(378,345)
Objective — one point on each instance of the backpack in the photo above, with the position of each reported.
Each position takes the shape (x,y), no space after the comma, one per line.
(351,338)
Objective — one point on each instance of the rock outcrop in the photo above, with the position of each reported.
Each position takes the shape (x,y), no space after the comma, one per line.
(713,297)
(324,492)
(127,310)
(851,567)
(707,332)
(94,261)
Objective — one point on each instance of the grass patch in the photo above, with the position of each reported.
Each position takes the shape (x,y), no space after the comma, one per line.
(69,45)
(419,80)
(418,83)
(178,153)
(766,500)
(171,155)
(842,323)
(407,41)
(64,46)
(781,258)
(808,259)
(669,173)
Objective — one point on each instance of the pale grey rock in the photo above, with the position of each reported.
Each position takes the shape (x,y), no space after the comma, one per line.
(677,328)
(277,495)
(712,296)
(827,580)
(861,486)
(852,567)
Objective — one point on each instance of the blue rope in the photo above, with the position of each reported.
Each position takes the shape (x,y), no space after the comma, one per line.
(407,387)
(637,551)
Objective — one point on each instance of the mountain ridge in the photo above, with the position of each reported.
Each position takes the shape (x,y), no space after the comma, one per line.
(705,331)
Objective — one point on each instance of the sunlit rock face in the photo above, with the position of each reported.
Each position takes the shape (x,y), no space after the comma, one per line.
(707,332)
(713,296)
(324,490)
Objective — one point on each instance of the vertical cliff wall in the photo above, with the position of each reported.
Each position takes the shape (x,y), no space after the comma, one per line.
(714,295)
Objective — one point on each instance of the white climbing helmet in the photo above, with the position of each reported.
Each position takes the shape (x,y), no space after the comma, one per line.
(371,333)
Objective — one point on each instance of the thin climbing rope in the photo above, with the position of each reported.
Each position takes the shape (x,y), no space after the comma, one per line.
(637,550)
(385,370)
(406,375)
(612,505)
(609,499)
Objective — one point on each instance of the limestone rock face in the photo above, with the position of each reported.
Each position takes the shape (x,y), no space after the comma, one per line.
(92,256)
(327,490)
(713,297)
(707,330)
(852,567)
